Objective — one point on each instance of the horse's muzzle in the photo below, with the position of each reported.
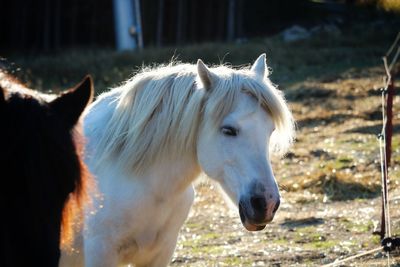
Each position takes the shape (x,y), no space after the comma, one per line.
(256,212)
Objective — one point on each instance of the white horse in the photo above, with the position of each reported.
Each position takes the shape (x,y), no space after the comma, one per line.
(150,138)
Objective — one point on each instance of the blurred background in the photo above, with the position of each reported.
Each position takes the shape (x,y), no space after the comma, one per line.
(326,57)
(89,31)
(52,25)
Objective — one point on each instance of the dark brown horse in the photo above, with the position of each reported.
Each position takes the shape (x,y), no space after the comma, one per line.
(44,182)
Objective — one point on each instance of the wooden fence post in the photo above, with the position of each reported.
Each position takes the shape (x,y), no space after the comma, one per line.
(388,147)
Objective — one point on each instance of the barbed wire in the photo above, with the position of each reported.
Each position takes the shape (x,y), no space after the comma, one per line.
(384,161)
(337,262)
(390,50)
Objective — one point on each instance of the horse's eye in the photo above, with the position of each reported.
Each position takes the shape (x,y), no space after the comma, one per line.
(229,130)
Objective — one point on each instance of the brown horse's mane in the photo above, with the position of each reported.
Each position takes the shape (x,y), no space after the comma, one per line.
(73,211)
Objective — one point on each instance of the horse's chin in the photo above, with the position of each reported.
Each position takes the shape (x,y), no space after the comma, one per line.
(252,227)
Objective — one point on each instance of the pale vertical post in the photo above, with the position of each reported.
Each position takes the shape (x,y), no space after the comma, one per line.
(123,22)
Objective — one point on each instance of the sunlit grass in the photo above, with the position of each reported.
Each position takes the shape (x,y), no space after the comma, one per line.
(290,63)
(390,5)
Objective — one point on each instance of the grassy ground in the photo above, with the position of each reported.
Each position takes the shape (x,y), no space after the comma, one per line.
(330,179)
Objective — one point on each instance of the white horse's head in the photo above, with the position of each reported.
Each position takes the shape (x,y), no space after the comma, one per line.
(227,120)
(234,139)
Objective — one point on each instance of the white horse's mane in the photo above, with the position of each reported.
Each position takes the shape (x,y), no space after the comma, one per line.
(160,110)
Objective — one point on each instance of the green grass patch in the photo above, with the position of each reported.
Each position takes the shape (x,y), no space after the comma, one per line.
(282,241)
(207,249)
(357,226)
(339,163)
(323,245)
(236,261)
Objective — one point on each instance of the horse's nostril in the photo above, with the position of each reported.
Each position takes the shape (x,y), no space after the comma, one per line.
(277,205)
(258,203)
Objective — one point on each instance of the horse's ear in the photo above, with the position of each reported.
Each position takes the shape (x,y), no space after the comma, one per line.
(71,104)
(260,66)
(206,77)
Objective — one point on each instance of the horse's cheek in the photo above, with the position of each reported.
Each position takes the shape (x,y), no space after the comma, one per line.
(210,160)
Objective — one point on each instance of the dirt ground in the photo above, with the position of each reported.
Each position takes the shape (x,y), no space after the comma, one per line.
(330,183)
(302,234)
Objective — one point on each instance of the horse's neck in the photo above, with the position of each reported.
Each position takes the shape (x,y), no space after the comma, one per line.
(161,181)
(96,118)
(173,177)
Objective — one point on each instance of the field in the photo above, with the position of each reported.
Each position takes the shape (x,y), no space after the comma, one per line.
(330,179)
